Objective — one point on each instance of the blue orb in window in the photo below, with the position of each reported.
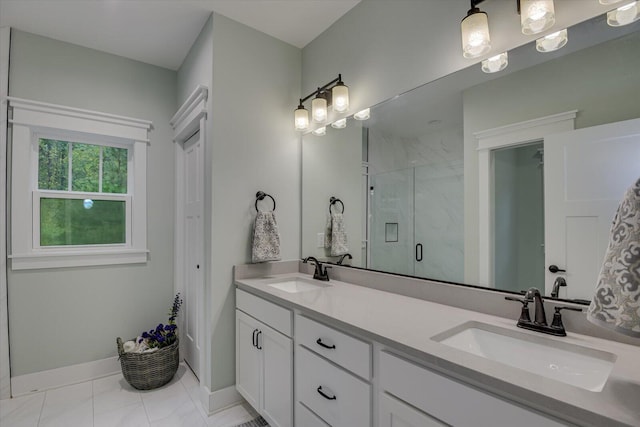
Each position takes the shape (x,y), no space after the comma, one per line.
(88,203)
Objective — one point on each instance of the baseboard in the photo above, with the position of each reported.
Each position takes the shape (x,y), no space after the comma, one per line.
(59,377)
(215,401)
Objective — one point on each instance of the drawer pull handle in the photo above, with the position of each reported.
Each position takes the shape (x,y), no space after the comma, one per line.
(254,339)
(324,395)
(321,344)
(258,346)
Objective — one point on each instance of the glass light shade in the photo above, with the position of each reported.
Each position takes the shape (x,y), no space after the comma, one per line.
(301,119)
(475,35)
(495,63)
(340,98)
(536,16)
(624,15)
(339,124)
(363,115)
(320,131)
(609,1)
(319,109)
(552,42)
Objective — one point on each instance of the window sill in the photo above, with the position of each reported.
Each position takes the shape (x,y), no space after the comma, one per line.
(38,260)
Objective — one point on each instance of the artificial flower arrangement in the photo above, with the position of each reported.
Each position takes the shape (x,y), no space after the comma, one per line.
(164,335)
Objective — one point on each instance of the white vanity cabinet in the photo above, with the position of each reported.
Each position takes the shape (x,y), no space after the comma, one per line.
(264,358)
(411,395)
(332,371)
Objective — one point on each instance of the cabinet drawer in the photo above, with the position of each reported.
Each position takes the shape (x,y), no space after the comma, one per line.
(277,317)
(347,399)
(395,413)
(306,418)
(344,350)
(440,397)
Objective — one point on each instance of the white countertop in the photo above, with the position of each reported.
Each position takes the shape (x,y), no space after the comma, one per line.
(410,323)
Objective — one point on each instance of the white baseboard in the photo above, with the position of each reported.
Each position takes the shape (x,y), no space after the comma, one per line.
(54,378)
(218,400)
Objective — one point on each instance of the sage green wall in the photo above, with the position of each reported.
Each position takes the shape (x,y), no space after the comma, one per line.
(61,317)
(600,82)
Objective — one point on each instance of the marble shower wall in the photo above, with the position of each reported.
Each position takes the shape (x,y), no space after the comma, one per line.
(418,184)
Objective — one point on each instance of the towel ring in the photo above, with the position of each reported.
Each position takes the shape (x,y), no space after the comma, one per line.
(260,195)
(333,201)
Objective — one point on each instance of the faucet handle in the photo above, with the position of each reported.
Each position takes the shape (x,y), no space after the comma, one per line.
(524,314)
(557,317)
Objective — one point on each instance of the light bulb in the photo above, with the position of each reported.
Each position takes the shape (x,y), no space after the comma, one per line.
(552,42)
(475,34)
(340,98)
(319,109)
(320,131)
(363,115)
(495,63)
(624,15)
(536,15)
(301,118)
(339,124)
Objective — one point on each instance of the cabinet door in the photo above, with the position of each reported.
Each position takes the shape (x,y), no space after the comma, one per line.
(395,413)
(248,379)
(277,391)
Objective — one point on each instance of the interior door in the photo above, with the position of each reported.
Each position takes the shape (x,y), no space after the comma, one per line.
(193,250)
(586,174)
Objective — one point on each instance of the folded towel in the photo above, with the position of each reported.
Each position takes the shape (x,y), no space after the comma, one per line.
(616,302)
(266,239)
(335,235)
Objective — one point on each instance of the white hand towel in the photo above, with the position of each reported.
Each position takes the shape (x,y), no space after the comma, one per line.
(335,235)
(616,302)
(266,239)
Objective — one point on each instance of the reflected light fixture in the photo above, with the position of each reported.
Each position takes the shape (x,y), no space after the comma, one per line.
(495,63)
(553,41)
(609,1)
(475,32)
(363,115)
(624,15)
(335,94)
(536,16)
(320,131)
(339,124)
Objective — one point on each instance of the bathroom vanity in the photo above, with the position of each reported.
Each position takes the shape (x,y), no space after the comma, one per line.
(311,353)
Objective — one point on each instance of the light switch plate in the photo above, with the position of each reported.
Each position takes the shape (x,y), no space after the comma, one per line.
(320,240)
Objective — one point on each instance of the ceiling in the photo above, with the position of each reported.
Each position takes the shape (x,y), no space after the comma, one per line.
(160,32)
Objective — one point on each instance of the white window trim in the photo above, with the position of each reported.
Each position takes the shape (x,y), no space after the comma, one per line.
(31,119)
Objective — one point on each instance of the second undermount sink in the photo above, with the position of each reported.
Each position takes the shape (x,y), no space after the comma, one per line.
(571,364)
(294,285)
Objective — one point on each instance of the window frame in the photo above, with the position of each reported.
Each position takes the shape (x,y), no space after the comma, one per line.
(33,121)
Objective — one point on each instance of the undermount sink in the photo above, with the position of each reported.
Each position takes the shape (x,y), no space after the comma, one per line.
(571,364)
(296,284)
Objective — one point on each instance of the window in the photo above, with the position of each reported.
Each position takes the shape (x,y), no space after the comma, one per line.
(81,201)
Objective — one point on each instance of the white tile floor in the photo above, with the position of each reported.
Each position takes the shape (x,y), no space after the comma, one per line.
(111,402)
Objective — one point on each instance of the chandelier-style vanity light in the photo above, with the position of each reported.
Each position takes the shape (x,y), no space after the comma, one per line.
(335,94)
(553,41)
(475,32)
(536,16)
(624,15)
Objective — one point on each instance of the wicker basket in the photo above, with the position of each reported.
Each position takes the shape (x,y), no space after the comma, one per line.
(146,371)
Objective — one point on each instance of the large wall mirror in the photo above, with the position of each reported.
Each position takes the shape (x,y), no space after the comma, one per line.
(489,179)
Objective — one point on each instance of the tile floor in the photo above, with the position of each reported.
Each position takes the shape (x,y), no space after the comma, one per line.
(111,402)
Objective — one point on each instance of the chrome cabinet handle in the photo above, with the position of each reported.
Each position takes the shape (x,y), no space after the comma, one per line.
(321,344)
(325,395)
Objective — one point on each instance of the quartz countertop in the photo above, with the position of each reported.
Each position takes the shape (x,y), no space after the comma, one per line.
(409,323)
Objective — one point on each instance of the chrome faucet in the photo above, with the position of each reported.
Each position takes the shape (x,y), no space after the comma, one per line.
(319,273)
(539,322)
(341,260)
(560,281)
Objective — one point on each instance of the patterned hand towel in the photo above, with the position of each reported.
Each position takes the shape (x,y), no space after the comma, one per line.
(616,302)
(266,239)
(335,235)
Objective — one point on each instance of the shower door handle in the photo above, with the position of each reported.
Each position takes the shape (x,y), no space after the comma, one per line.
(419,252)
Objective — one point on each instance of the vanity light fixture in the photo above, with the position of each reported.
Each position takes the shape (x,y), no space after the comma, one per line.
(363,115)
(334,93)
(624,15)
(475,32)
(553,41)
(609,1)
(320,131)
(339,124)
(536,16)
(495,63)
